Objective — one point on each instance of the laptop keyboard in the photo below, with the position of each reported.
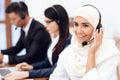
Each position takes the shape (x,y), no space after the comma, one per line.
(3,72)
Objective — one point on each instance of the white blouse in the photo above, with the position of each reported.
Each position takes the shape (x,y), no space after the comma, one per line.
(72,64)
(50,50)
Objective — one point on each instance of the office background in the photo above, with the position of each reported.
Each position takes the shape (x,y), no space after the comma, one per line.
(108,8)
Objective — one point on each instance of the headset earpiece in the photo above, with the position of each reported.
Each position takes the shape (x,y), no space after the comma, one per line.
(99,26)
(22,15)
(58,21)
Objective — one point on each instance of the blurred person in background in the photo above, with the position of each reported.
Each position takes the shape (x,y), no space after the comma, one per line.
(57,24)
(33,37)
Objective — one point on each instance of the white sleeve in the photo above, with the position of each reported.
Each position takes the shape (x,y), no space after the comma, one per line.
(98,73)
(91,75)
(5,59)
(59,73)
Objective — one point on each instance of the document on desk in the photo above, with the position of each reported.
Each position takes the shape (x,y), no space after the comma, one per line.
(6,70)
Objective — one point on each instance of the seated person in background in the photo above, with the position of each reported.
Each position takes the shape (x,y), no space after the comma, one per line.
(33,38)
(89,56)
(57,24)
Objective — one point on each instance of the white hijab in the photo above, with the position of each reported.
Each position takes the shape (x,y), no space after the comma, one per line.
(106,50)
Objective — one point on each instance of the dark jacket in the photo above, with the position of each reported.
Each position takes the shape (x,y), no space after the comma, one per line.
(36,44)
(44,68)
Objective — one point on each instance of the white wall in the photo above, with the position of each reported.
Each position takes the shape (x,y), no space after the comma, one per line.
(108,8)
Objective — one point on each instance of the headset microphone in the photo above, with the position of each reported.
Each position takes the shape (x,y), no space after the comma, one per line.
(87,42)
(84,43)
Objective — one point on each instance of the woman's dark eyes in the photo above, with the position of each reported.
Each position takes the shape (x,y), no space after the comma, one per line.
(49,21)
(75,24)
(85,25)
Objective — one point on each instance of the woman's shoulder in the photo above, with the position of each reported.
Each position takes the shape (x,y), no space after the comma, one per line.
(68,39)
(67,51)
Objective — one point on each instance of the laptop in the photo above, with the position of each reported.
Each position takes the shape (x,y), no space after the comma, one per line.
(6,70)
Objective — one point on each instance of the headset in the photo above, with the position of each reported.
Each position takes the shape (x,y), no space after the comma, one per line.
(22,15)
(58,21)
(99,23)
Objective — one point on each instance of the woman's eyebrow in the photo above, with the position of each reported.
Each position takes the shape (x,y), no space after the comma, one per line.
(85,23)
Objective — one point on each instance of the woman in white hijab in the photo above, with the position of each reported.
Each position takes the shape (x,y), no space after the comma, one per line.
(98,60)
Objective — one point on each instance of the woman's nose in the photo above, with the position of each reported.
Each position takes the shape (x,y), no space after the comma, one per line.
(79,29)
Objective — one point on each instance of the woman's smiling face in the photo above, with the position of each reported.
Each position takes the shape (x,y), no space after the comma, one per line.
(83,29)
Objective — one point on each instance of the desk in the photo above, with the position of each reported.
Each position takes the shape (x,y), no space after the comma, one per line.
(1,66)
(40,79)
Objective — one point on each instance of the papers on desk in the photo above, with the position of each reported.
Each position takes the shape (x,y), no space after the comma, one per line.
(6,70)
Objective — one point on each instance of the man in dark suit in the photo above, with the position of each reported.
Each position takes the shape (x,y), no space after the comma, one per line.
(34,38)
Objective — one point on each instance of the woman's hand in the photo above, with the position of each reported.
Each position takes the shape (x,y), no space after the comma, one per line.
(24,66)
(17,75)
(97,41)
